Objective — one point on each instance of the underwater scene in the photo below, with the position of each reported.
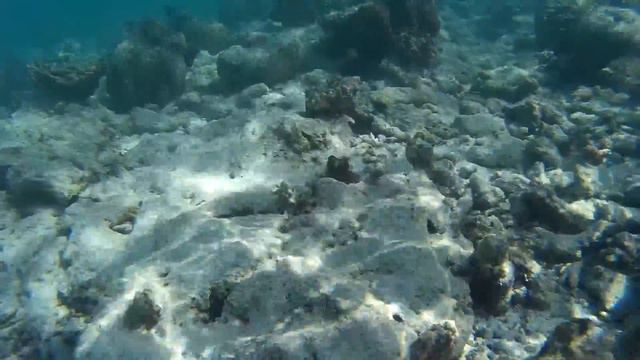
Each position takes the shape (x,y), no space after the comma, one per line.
(320,179)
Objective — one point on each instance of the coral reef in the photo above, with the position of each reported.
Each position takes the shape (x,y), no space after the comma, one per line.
(306,181)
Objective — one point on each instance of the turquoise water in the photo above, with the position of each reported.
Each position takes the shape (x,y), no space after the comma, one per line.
(33,27)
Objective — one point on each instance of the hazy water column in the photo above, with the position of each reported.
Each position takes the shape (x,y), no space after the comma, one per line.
(26,26)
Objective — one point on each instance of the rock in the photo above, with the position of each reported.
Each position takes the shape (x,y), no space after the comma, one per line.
(142,313)
(556,248)
(577,339)
(82,299)
(492,275)
(138,75)
(33,184)
(439,342)
(361,37)
(332,194)
(199,36)
(510,182)
(443,173)
(294,200)
(414,49)
(388,97)
(509,83)
(623,74)
(203,73)
(477,226)
(125,222)
(632,195)
(218,294)
(340,169)
(415,25)
(278,293)
(502,152)
(484,195)
(479,125)
(414,15)
(582,119)
(585,37)
(68,80)
(618,252)
(471,107)
(302,136)
(626,145)
(419,151)
(260,200)
(542,207)
(239,67)
(543,150)
(149,121)
(338,97)
(527,113)
(249,95)
(605,286)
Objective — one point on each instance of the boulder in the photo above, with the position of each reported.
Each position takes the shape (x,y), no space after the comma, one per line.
(542,207)
(361,37)
(509,83)
(479,125)
(239,67)
(364,35)
(623,74)
(199,36)
(577,339)
(418,16)
(439,342)
(138,75)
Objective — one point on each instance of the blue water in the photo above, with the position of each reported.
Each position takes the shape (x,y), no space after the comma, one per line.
(31,27)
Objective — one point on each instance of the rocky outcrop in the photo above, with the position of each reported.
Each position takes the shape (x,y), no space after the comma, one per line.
(138,75)
(584,37)
(67,80)
(147,68)
(198,35)
(362,36)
